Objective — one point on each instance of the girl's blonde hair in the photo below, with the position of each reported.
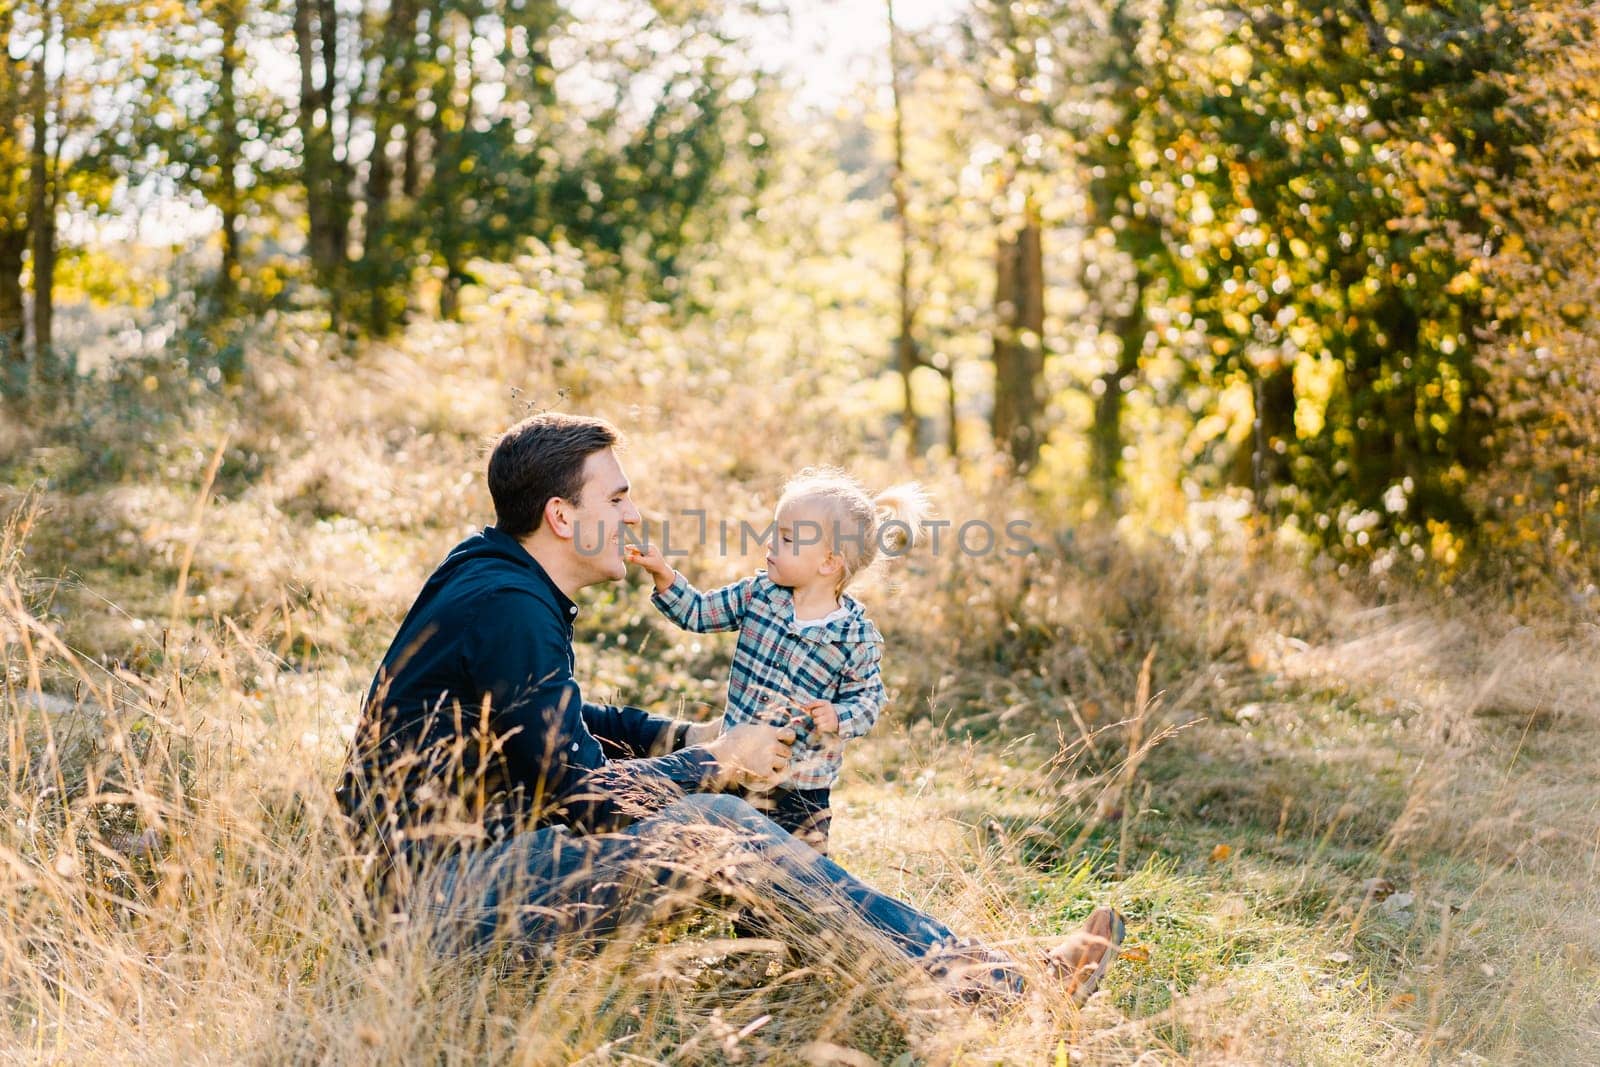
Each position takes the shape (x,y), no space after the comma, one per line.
(863,526)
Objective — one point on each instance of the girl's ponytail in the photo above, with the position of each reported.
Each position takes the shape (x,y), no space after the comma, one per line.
(901,511)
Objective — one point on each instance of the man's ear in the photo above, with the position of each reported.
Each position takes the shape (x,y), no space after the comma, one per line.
(558,516)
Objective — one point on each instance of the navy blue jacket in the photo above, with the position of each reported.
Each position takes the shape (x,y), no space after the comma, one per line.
(474,719)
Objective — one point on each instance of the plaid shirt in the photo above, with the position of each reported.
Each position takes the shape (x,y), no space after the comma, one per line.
(776,662)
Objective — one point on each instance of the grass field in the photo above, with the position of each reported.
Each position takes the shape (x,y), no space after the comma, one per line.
(1343,829)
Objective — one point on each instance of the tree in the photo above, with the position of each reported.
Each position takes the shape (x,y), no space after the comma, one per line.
(323,121)
(943,225)
(43,172)
(61,115)
(1125,90)
(907,358)
(430,133)
(1541,497)
(202,107)
(1019,336)
(1319,201)
(13,211)
(1013,41)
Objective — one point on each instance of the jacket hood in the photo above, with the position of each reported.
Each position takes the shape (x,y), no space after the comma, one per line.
(487,543)
(497,560)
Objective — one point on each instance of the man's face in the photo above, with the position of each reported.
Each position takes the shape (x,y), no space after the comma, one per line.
(599,516)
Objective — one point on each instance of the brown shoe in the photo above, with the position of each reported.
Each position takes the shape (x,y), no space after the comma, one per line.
(1083,958)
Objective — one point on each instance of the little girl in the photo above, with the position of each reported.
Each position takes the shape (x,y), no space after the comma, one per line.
(807,654)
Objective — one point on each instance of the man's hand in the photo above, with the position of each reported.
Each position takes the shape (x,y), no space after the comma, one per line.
(752,754)
(650,558)
(824,714)
(685,734)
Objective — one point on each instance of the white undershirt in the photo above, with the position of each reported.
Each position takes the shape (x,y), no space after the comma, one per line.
(836,613)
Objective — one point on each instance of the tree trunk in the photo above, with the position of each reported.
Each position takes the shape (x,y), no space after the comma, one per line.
(440,150)
(337,164)
(1364,422)
(406,106)
(41,211)
(313,172)
(228,154)
(1274,431)
(13,356)
(14,234)
(228,279)
(1018,340)
(1407,437)
(1106,438)
(324,175)
(411,159)
(950,398)
(1003,420)
(905,346)
(383,266)
(374,248)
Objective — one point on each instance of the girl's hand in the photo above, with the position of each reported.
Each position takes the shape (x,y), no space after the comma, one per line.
(650,558)
(824,714)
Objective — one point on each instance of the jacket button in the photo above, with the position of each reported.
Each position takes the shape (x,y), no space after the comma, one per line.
(574,746)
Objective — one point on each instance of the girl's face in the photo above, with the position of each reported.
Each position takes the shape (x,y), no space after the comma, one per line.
(801,549)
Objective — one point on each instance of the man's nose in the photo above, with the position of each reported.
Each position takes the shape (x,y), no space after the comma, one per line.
(630,514)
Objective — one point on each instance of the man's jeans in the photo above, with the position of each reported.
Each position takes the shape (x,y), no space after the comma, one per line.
(537,888)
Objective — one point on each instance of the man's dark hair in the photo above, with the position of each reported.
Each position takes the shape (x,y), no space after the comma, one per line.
(539,458)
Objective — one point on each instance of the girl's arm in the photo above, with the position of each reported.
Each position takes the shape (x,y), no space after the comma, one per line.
(720,609)
(861,694)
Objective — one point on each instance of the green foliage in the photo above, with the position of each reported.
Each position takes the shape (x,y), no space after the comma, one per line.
(211,126)
(1541,498)
(636,181)
(1331,259)
(1321,195)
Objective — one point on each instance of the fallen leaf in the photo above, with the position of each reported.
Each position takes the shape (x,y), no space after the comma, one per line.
(1134,954)
(1221,853)
(1339,957)
(1377,888)
(1400,1001)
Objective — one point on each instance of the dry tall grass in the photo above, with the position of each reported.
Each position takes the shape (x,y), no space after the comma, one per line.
(1342,831)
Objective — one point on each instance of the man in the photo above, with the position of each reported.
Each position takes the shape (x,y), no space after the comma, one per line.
(519,814)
